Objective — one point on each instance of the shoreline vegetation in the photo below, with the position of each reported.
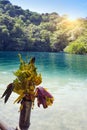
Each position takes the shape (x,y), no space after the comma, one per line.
(24,30)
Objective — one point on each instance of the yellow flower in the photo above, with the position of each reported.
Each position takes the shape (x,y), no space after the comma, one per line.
(38,79)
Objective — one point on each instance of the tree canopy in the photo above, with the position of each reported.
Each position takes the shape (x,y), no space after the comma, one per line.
(30,31)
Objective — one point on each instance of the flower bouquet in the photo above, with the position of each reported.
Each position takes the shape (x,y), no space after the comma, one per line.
(26,85)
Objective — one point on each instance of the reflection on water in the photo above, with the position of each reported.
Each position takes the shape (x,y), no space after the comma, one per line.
(66,78)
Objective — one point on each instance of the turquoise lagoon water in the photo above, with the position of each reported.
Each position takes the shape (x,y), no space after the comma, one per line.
(64,75)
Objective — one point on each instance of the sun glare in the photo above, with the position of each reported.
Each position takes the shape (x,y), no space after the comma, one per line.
(72,19)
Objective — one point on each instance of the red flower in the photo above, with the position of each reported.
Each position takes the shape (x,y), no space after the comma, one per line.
(44,97)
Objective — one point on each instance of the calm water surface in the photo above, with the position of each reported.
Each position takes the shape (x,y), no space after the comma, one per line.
(65,76)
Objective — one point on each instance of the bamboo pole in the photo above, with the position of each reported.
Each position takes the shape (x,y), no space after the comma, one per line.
(24,119)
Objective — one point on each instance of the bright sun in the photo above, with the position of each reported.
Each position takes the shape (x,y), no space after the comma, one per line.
(72,19)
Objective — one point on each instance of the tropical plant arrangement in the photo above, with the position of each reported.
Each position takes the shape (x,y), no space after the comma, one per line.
(26,85)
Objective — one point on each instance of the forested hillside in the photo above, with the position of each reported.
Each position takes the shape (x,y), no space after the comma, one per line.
(30,31)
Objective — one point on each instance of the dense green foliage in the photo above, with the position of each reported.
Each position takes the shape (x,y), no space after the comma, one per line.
(30,31)
(79,45)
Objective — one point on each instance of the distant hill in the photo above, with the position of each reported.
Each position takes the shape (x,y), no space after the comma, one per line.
(30,31)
